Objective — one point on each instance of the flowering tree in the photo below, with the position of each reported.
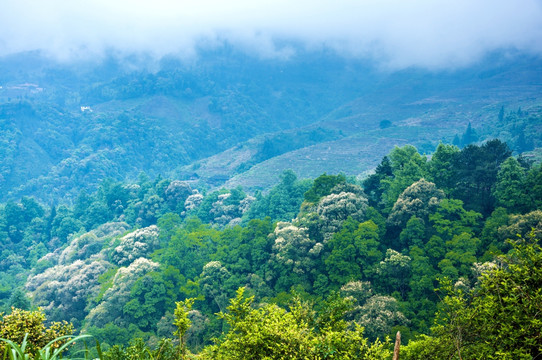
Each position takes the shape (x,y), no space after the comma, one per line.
(136,244)
(110,309)
(419,200)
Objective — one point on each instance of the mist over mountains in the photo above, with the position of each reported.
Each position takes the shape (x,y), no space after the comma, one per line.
(343,171)
(235,118)
(397,34)
(235,93)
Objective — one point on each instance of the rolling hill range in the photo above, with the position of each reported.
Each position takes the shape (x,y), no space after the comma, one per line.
(231,119)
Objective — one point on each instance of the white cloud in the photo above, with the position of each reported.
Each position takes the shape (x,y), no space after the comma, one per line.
(431,33)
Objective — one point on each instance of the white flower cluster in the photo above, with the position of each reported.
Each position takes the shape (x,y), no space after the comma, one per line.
(376,313)
(334,209)
(395,262)
(379,314)
(193,201)
(177,191)
(229,215)
(136,244)
(359,291)
(64,289)
(90,244)
(419,199)
(294,248)
(114,299)
(522,225)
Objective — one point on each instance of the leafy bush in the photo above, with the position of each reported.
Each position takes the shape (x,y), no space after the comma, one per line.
(28,328)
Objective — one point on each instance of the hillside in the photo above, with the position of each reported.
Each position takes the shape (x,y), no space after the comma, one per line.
(229,118)
(323,257)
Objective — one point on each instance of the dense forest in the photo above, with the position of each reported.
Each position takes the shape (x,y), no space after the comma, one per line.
(443,248)
(246,180)
(231,120)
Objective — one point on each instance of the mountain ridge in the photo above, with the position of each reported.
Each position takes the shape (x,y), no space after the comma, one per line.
(106,120)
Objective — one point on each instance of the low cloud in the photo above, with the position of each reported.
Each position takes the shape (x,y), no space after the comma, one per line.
(426,33)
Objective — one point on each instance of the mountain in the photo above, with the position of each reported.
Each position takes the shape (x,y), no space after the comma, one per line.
(230,118)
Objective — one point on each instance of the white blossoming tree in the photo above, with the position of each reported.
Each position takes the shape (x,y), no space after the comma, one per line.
(294,254)
(136,244)
(63,290)
(111,307)
(419,200)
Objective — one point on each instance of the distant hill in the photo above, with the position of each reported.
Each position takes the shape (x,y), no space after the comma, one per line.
(233,119)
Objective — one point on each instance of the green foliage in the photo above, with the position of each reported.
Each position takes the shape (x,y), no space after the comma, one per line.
(28,329)
(497,319)
(475,175)
(408,166)
(413,233)
(393,272)
(353,252)
(441,166)
(182,322)
(469,136)
(139,350)
(50,351)
(450,219)
(510,187)
(533,187)
(282,202)
(419,199)
(270,332)
(322,186)
(151,294)
(122,279)
(111,335)
(19,300)
(194,241)
(373,184)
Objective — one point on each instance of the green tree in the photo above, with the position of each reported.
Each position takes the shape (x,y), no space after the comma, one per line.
(421,298)
(394,272)
(32,325)
(450,219)
(294,256)
(510,190)
(441,166)
(490,233)
(282,202)
(413,233)
(342,261)
(270,332)
(497,319)
(476,169)
(373,184)
(150,296)
(182,322)
(19,300)
(322,186)
(533,187)
(213,281)
(419,199)
(408,166)
(190,247)
(469,136)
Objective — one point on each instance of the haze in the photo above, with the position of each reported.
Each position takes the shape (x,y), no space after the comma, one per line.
(397,34)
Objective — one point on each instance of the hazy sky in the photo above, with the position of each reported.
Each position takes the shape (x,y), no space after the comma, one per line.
(429,33)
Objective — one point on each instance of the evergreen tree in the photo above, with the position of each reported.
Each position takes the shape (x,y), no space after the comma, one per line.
(510,187)
(469,136)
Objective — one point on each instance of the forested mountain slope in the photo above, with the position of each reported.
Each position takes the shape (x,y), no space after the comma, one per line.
(371,253)
(66,127)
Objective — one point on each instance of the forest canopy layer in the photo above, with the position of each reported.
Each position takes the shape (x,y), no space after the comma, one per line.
(318,257)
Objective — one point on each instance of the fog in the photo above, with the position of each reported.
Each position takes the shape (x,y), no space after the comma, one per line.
(397,34)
